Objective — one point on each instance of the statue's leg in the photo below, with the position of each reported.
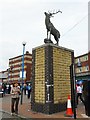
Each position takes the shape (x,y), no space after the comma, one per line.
(58,42)
(47,34)
(50,34)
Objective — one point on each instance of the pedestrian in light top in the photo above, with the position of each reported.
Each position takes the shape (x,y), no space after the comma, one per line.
(15,93)
(79,93)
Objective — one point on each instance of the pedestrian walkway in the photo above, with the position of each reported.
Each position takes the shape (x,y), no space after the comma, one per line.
(26,112)
(4,114)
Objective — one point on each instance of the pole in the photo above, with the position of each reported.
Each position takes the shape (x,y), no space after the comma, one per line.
(74,82)
(72,72)
(22,72)
(8,74)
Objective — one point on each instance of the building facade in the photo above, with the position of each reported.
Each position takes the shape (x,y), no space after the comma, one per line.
(82,67)
(89,26)
(15,72)
(4,76)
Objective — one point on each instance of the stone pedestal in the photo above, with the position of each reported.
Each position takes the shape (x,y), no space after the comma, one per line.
(50,78)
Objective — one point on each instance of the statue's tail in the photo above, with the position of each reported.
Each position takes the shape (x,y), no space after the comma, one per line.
(57,43)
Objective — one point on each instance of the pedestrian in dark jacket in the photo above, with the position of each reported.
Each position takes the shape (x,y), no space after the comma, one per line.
(29,90)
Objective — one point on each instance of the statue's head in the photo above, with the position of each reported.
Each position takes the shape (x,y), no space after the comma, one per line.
(48,14)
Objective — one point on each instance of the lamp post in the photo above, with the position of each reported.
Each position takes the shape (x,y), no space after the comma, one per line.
(73,88)
(24,43)
(8,70)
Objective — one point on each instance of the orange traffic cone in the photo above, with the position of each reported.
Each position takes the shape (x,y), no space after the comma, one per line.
(69,112)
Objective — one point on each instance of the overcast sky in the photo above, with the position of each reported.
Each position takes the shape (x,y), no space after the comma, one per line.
(24,20)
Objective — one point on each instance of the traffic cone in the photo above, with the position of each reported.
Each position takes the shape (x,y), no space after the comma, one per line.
(69,112)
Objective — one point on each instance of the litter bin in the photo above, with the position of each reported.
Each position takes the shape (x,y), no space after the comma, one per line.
(86,95)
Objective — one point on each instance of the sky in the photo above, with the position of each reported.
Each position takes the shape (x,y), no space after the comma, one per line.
(24,20)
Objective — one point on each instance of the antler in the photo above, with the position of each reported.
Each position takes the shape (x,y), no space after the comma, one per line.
(57,12)
(54,12)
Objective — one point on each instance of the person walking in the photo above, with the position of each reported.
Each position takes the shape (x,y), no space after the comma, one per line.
(9,89)
(25,85)
(29,91)
(4,89)
(79,93)
(15,92)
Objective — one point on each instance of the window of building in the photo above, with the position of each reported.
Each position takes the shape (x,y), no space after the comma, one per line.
(86,58)
(79,63)
(80,69)
(87,67)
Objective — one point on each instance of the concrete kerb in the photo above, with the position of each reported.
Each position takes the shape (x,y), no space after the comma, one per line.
(14,114)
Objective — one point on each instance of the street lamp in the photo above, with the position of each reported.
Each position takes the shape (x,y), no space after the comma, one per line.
(24,43)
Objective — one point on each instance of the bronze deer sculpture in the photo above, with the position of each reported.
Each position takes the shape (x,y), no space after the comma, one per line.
(50,27)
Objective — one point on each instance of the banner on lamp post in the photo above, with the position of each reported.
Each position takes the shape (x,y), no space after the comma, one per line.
(24,75)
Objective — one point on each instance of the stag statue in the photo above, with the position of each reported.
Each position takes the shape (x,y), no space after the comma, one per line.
(50,27)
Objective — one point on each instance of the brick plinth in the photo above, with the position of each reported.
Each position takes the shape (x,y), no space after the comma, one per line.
(50,78)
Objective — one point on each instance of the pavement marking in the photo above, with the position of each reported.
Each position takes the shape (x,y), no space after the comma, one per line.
(85,116)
